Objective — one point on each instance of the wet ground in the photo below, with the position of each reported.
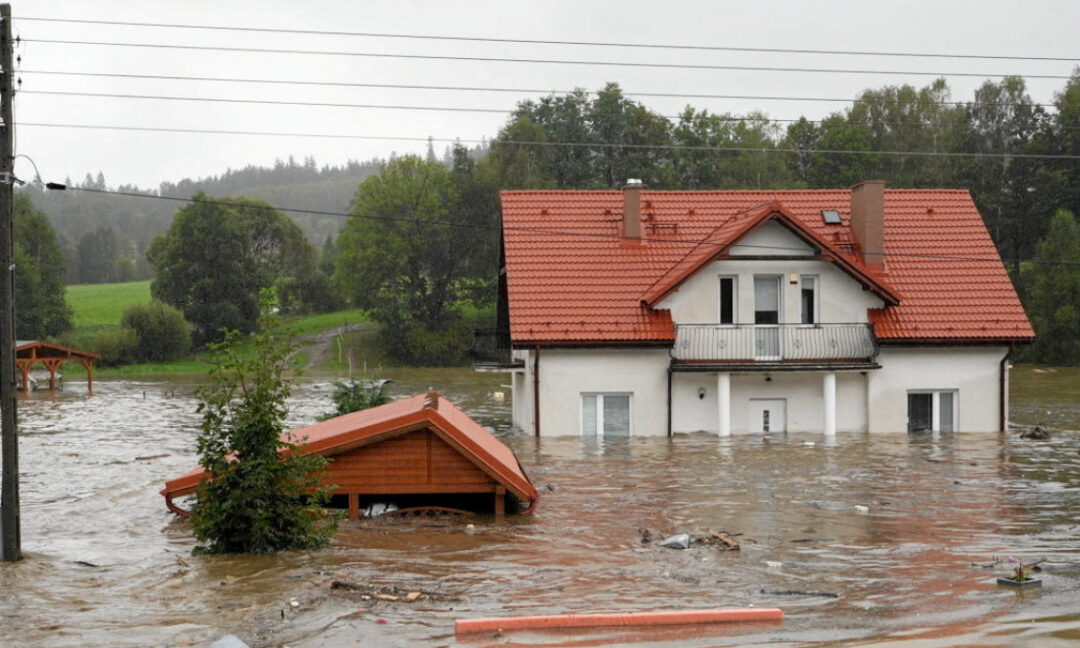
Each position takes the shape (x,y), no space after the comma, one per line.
(107,565)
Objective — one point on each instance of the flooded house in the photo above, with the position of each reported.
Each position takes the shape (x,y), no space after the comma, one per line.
(416,454)
(641,312)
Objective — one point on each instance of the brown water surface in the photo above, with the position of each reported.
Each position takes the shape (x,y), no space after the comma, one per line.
(107,565)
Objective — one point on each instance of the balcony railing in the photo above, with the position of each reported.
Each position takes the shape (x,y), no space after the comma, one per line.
(750,343)
(490,349)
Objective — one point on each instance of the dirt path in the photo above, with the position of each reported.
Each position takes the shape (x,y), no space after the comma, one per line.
(321,347)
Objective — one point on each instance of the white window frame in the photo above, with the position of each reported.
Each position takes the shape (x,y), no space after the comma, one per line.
(935,407)
(734,299)
(600,412)
(817,299)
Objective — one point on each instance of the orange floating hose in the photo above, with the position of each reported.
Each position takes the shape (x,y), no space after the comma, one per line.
(674,617)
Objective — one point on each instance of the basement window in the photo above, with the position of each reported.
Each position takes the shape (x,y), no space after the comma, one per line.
(605,413)
(932,411)
(830,216)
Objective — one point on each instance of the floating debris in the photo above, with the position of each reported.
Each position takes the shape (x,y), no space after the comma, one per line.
(1037,433)
(678,541)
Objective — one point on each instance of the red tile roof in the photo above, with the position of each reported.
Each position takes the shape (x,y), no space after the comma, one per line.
(431,410)
(572,280)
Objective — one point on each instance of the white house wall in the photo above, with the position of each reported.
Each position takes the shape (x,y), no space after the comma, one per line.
(771,238)
(874,402)
(842,300)
(973,372)
(565,374)
(801,390)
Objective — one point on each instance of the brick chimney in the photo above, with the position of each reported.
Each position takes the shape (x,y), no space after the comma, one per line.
(868,220)
(631,219)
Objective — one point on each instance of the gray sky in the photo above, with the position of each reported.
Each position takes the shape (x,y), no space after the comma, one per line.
(977,27)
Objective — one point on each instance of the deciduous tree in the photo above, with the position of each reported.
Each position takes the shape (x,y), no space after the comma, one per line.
(40,307)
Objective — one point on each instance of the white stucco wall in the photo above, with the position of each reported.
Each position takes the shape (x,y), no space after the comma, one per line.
(842,300)
(567,373)
(773,239)
(974,373)
(875,402)
(802,391)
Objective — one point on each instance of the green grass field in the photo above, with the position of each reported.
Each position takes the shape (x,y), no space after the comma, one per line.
(98,307)
(102,305)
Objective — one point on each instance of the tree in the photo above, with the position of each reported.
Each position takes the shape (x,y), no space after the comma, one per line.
(40,306)
(162,332)
(404,256)
(216,257)
(262,495)
(1053,288)
(97,254)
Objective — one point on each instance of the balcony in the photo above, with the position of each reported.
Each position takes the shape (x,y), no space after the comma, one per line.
(776,345)
(491,351)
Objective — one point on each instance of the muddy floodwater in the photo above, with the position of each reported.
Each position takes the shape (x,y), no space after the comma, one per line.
(890,540)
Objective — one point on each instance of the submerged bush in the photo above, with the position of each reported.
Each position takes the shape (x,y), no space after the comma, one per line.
(353,395)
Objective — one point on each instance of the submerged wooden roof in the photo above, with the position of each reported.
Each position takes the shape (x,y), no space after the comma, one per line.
(38,349)
(430,411)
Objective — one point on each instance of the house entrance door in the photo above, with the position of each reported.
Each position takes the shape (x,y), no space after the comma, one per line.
(768,415)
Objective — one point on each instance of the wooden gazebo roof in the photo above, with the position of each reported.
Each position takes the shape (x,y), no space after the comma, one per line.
(470,450)
(30,352)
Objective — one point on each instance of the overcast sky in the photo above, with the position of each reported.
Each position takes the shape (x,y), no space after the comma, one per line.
(985,27)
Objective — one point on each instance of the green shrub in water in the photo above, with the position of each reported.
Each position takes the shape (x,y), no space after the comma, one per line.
(261,496)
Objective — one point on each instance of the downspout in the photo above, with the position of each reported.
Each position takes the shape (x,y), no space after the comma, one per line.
(536,390)
(1002,396)
(669,400)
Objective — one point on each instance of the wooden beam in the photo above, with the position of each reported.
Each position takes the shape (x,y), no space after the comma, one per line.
(89,376)
(354,506)
(500,500)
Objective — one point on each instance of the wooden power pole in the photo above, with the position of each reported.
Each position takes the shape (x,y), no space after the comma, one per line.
(10,542)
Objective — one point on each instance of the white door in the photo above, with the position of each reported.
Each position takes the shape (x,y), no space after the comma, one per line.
(768,415)
(767,317)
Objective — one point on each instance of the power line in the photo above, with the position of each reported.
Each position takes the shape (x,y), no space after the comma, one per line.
(598,145)
(269,102)
(322,104)
(492,59)
(550,232)
(527,41)
(543,91)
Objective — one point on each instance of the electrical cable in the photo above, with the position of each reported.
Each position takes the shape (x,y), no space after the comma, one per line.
(318,104)
(599,145)
(538,231)
(493,59)
(526,41)
(542,91)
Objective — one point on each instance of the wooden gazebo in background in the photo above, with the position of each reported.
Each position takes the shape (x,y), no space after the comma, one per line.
(51,356)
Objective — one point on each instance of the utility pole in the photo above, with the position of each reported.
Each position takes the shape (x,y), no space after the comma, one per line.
(10,543)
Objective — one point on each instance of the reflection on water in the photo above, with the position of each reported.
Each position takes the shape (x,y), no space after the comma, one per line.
(103,567)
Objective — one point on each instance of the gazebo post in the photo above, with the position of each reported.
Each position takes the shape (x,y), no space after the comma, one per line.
(52,365)
(500,501)
(24,369)
(89,376)
(354,506)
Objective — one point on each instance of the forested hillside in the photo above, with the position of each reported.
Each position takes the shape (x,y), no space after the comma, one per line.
(105,237)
